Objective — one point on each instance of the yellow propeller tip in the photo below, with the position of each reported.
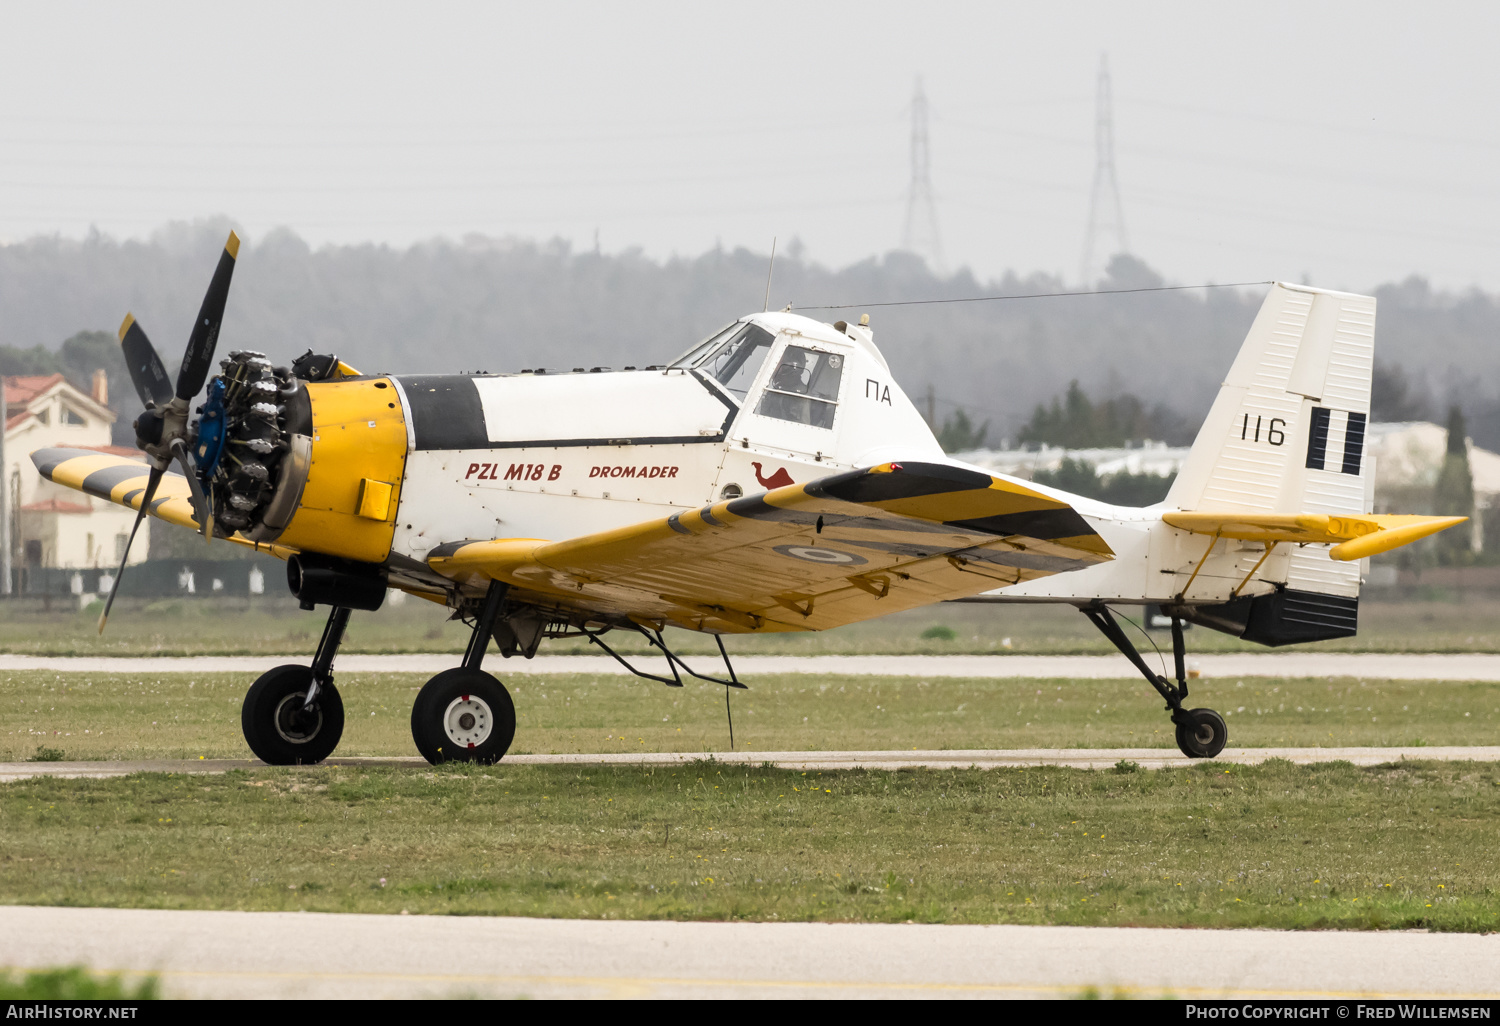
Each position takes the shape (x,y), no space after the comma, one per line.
(102,617)
(232,247)
(125,325)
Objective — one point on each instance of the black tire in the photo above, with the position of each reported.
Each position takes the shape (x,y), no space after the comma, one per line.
(463,715)
(1203,735)
(274,725)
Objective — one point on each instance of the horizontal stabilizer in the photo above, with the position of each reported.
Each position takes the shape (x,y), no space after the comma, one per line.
(1352,537)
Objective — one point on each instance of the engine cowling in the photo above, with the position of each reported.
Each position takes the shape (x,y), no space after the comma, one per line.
(314,466)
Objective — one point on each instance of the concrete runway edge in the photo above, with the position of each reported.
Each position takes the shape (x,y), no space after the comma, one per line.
(310,955)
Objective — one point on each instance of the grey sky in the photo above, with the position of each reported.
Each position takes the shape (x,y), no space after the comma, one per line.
(1355,143)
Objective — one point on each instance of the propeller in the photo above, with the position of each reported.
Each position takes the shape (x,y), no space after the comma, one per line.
(146,372)
(151,483)
(163,429)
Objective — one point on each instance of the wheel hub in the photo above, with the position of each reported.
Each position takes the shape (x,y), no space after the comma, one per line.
(1204,733)
(468,721)
(295,723)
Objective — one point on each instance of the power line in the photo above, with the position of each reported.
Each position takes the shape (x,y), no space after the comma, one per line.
(1034,295)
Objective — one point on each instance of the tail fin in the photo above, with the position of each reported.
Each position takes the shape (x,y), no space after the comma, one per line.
(1286,433)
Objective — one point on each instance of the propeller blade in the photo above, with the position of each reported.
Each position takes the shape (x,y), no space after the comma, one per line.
(200,348)
(151,483)
(202,511)
(146,371)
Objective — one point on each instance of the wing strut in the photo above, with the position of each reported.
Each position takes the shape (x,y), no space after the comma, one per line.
(655,640)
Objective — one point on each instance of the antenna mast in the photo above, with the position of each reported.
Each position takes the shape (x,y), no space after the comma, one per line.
(921,235)
(1106,216)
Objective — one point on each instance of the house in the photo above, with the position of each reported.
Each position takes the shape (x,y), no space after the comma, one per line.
(1408,458)
(51,526)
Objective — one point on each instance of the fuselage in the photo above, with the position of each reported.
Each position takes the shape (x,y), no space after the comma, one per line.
(541,454)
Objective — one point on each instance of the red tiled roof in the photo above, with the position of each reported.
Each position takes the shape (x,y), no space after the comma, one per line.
(56,506)
(22,388)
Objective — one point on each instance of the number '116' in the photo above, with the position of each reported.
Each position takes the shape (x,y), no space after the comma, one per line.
(1274,433)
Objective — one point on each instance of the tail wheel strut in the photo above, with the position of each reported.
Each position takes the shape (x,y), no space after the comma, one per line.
(1201,733)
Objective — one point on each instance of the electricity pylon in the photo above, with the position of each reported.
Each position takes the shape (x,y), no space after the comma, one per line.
(921,235)
(1106,234)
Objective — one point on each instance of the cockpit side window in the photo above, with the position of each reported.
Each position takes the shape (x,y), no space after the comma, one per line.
(736,361)
(804,387)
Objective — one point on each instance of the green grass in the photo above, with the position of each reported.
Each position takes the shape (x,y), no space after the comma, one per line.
(51,715)
(273,625)
(1275,845)
(74,984)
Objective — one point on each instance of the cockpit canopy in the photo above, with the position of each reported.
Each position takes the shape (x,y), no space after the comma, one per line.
(803,389)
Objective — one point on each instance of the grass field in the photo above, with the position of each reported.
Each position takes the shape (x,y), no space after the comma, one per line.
(275,626)
(1275,845)
(135,716)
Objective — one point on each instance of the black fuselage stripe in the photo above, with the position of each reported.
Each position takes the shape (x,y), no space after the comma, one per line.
(445,411)
(1317,438)
(1354,443)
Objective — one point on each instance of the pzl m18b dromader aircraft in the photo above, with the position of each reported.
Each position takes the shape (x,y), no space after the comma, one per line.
(774,478)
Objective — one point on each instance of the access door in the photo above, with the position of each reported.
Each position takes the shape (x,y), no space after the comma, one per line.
(794,407)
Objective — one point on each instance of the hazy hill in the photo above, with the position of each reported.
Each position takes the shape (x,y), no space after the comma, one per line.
(502,305)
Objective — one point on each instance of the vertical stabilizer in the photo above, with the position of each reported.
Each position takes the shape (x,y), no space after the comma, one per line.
(1286,433)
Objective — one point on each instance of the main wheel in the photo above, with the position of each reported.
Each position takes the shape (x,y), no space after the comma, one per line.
(277,728)
(463,715)
(1203,736)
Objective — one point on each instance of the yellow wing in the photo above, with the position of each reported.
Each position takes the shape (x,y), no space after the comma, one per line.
(804,557)
(117,479)
(1352,537)
(122,480)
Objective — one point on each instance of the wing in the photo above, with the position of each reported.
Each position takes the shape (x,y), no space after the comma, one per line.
(804,557)
(117,479)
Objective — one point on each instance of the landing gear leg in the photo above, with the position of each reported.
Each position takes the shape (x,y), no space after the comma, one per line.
(464,714)
(1201,733)
(293,714)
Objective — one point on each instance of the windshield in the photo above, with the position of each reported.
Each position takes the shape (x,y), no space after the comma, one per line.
(737,359)
(692,356)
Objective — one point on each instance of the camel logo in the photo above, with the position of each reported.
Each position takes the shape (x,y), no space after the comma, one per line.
(780,479)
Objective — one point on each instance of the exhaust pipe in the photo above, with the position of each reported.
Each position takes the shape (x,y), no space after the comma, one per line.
(335,583)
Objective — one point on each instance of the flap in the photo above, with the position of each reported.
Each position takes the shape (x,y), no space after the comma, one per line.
(804,557)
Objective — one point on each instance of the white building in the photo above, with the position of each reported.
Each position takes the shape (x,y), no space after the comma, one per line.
(1155,458)
(52,526)
(1408,458)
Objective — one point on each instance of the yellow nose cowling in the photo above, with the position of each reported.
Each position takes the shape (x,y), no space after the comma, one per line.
(353,489)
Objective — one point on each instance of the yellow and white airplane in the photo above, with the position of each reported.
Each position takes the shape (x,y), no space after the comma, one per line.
(773,478)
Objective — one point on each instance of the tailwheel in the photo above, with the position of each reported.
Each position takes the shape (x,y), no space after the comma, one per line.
(463,715)
(281,728)
(1201,733)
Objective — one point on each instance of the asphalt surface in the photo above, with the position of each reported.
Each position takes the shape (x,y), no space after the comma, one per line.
(306,955)
(1081,758)
(1368,665)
